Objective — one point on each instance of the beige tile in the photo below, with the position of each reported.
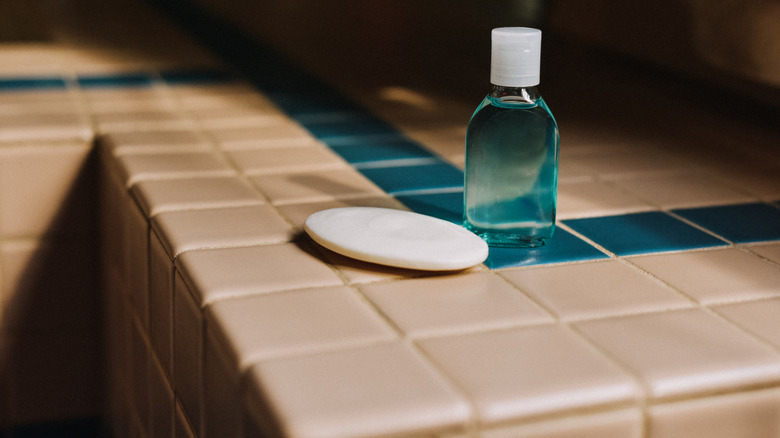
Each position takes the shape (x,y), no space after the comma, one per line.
(372,391)
(280,133)
(679,190)
(620,162)
(521,373)
(140,120)
(595,289)
(771,251)
(685,353)
(286,159)
(145,142)
(595,198)
(231,272)
(221,228)
(222,392)
(136,247)
(241,96)
(740,415)
(570,170)
(52,126)
(188,332)
(437,305)
(155,197)
(132,104)
(266,326)
(38,101)
(298,213)
(715,276)
(141,167)
(36,183)
(315,186)
(759,317)
(624,423)
(236,116)
(161,275)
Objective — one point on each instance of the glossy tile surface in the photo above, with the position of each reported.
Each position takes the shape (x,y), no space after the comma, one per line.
(685,352)
(560,372)
(407,395)
(641,233)
(431,306)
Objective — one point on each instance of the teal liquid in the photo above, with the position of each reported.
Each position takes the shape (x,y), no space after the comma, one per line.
(511,172)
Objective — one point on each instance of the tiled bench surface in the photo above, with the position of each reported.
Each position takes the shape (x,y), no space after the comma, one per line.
(653,313)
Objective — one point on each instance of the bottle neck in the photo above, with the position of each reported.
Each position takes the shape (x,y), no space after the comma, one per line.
(515,94)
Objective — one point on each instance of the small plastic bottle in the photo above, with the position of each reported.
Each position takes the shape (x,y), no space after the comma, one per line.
(512,149)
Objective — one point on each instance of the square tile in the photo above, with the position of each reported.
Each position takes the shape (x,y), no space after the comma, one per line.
(222,392)
(743,414)
(280,133)
(140,167)
(564,247)
(684,353)
(467,302)
(285,159)
(406,179)
(50,126)
(740,223)
(157,196)
(623,423)
(642,233)
(140,120)
(718,275)
(520,373)
(622,161)
(199,76)
(595,289)
(144,142)
(379,390)
(447,206)
(760,317)
(315,186)
(260,327)
(231,272)
(236,116)
(161,277)
(188,353)
(595,198)
(771,251)
(187,230)
(689,189)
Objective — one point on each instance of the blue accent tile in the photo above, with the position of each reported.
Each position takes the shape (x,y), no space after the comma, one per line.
(197,76)
(642,233)
(116,81)
(740,223)
(564,247)
(300,103)
(31,83)
(447,206)
(396,147)
(402,179)
(366,126)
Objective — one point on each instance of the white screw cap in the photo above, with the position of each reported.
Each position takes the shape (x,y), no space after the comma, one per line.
(516,55)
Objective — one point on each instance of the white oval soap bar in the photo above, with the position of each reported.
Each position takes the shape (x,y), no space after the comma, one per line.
(396,238)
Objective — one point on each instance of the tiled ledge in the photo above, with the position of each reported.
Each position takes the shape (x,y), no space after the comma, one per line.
(652,314)
(646,322)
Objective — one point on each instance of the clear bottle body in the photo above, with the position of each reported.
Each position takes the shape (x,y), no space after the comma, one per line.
(511,169)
